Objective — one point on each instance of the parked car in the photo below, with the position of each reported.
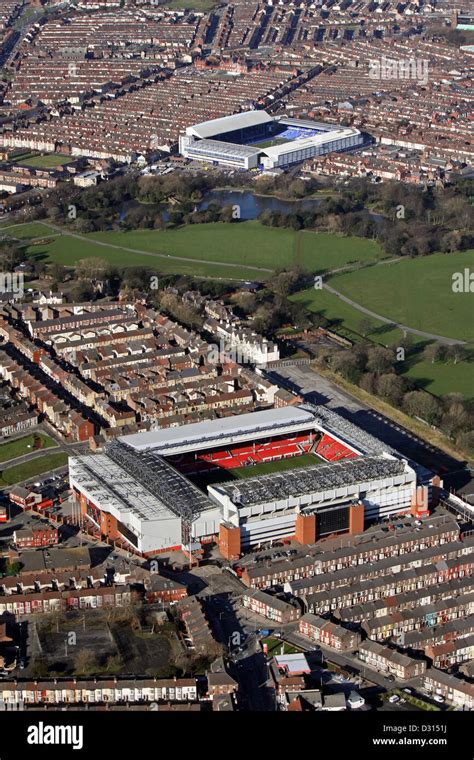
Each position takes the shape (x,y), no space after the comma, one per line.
(438,698)
(394,698)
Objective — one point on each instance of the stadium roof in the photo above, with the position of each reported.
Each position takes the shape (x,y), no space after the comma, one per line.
(216,432)
(223,149)
(229,123)
(339,133)
(143,484)
(310,480)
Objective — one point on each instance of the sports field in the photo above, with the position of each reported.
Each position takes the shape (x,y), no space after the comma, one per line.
(46,161)
(251,471)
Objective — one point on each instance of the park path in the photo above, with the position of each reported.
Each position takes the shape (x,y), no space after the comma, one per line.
(156,255)
(421,333)
(405,328)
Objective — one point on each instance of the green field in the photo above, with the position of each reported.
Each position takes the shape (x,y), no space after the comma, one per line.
(438,378)
(46,161)
(276,645)
(417,292)
(215,250)
(322,251)
(27,470)
(202,480)
(305,460)
(25,445)
(26,231)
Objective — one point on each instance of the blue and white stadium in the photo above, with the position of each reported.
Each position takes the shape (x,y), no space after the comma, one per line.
(255,139)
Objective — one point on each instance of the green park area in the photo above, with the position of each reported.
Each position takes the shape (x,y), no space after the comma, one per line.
(42,161)
(247,250)
(20,472)
(25,445)
(414,291)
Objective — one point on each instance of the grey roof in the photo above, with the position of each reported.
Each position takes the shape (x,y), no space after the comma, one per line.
(230,123)
(310,480)
(213,431)
(224,149)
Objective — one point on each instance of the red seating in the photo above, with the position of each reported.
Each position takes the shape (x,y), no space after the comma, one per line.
(332,450)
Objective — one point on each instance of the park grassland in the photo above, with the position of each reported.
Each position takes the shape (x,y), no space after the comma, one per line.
(416,292)
(24,445)
(46,161)
(38,465)
(245,250)
(439,378)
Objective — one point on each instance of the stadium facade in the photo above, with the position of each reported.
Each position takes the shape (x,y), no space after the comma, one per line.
(254,138)
(142,490)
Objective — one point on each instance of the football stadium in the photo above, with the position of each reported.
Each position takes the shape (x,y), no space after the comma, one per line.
(255,139)
(299,472)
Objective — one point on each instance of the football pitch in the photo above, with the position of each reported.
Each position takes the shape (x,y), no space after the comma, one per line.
(202,480)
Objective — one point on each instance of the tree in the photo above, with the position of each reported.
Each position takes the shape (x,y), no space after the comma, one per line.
(85,662)
(380,360)
(92,268)
(391,387)
(433,352)
(456,353)
(423,405)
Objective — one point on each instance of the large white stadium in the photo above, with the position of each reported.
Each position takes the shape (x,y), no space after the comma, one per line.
(163,490)
(255,139)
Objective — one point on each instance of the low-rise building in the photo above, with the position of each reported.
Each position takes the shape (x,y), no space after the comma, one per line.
(390,661)
(327,633)
(271,607)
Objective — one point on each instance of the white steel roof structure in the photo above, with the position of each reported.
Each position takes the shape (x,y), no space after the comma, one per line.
(229,123)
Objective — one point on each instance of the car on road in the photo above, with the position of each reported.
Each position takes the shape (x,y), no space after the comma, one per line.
(438,698)
(407,690)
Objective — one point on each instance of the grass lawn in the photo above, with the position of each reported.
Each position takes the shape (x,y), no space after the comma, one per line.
(322,251)
(25,445)
(27,470)
(26,231)
(305,460)
(438,378)
(212,246)
(46,161)
(194,5)
(417,292)
(275,646)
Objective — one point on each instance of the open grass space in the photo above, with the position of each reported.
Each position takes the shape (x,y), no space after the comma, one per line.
(26,231)
(416,292)
(322,251)
(213,250)
(33,467)
(438,378)
(277,646)
(25,445)
(43,161)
